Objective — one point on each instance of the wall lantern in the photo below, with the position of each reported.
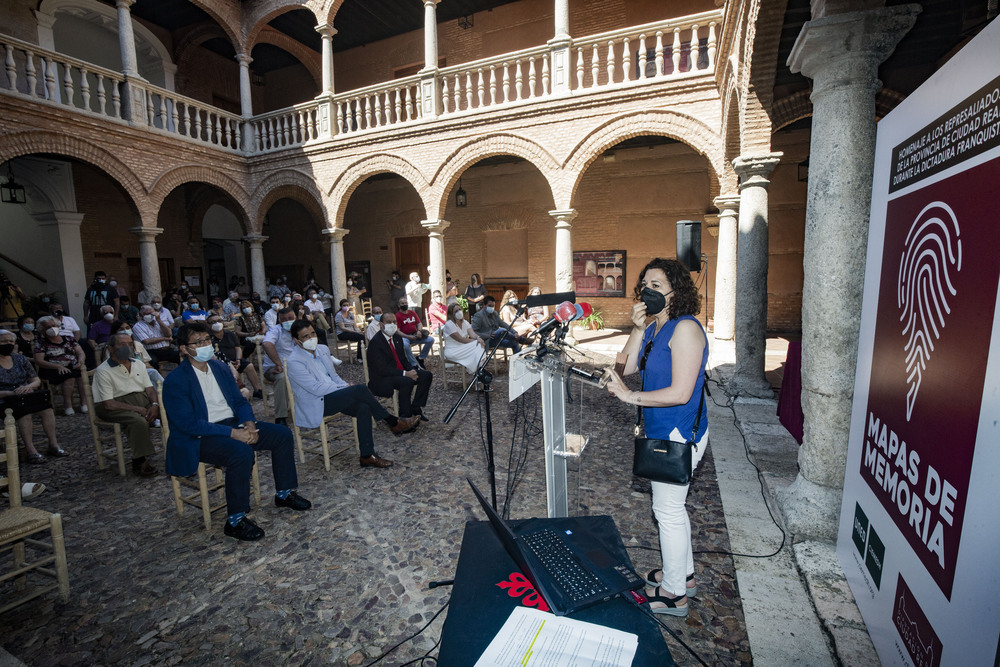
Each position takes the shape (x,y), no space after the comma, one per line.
(12,192)
(461,198)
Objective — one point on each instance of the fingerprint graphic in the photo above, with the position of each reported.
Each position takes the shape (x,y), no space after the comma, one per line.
(932,253)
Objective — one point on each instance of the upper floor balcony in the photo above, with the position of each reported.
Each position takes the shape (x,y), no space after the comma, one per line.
(676,51)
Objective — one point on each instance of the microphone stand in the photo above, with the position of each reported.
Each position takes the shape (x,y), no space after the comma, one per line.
(484,376)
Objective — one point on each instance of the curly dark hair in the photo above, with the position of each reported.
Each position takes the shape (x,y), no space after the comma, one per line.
(686,300)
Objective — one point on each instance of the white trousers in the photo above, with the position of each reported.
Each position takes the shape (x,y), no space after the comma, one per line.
(675,527)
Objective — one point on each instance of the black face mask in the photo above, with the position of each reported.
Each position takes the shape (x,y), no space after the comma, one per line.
(655,302)
(404,306)
(58,313)
(6,349)
(122,354)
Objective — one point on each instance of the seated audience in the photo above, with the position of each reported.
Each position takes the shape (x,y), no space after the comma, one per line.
(126,311)
(69,327)
(211,422)
(508,314)
(319,392)
(124,395)
(228,350)
(231,306)
(101,329)
(162,314)
(138,352)
(410,328)
(537,314)
(389,370)
(156,336)
(315,306)
(491,328)
(194,311)
(21,391)
(25,336)
(347,328)
(250,328)
(60,362)
(271,316)
(437,312)
(218,310)
(373,326)
(463,345)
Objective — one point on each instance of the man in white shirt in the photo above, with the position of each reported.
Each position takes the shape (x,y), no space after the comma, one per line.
(210,421)
(155,336)
(415,290)
(271,316)
(315,307)
(124,395)
(161,313)
(277,345)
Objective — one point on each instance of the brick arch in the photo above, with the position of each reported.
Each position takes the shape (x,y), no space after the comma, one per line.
(199,205)
(256,20)
(188,45)
(27,143)
(480,148)
(226,14)
(789,109)
(168,181)
(666,123)
(306,56)
(291,184)
(731,131)
(328,9)
(356,173)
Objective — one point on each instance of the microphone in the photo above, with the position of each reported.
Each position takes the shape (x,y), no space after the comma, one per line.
(565,313)
(549,299)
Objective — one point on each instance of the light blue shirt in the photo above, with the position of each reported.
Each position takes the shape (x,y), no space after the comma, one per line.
(312,377)
(282,341)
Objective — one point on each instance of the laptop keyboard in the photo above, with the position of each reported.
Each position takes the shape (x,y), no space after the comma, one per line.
(562,564)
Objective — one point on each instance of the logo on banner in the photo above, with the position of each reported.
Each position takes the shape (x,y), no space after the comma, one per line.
(932,252)
(914,629)
(869,545)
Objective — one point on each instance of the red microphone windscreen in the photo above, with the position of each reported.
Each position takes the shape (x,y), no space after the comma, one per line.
(584,309)
(565,312)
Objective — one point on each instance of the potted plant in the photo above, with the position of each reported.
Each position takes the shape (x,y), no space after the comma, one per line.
(594,321)
(463,303)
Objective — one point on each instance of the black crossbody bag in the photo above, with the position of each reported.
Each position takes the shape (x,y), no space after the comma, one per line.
(665,461)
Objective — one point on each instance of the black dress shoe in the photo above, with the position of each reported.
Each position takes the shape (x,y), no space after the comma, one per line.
(245,530)
(293,501)
(258,394)
(143,469)
(280,420)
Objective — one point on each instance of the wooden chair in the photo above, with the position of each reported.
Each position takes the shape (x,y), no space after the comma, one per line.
(19,532)
(387,401)
(267,387)
(197,490)
(366,310)
(105,444)
(342,348)
(324,431)
(447,365)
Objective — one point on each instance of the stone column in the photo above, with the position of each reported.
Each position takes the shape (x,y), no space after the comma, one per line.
(751,275)
(246,103)
(564,248)
(430,99)
(46,39)
(338,265)
(327,32)
(126,40)
(258,276)
(841,53)
(560,51)
(430,34)
(725,269)
(148,260)
(69,276)
(435,230)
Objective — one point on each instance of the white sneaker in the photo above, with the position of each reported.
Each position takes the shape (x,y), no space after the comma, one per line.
(69,412)
(336,360)
(84,409)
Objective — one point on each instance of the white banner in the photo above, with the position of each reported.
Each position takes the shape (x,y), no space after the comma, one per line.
(919,535)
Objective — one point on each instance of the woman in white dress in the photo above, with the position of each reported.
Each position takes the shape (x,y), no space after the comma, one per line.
(463,345)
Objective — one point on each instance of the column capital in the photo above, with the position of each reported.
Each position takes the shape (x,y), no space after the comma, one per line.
(431,3)
(336,234)
(243,59)
(850,45)
(730,203)
(44,20)
(146,233)
(435,226)
(754,170)
(326,30)
(564,219)
(57,218)
(124,4)
(255,239)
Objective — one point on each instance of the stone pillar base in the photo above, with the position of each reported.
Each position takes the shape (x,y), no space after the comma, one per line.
(750,387)
(810,511)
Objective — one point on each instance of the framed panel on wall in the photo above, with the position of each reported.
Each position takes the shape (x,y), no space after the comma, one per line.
(599,273)
(194,278)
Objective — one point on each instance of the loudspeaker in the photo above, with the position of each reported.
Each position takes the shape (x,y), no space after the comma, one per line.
(689,244)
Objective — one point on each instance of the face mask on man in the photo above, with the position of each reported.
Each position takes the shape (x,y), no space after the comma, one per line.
(57,313)
(287,326)
(404,306)
(437,299)
(655,301)
(377,317)
(192,306)
(156,305)
(122,353)
(203,354)
(127,332)
(101,281)
(311,344)
(490,309)
(350,282)
(275,306)
(390,329)
(148,317)
(109,316)
(217,327)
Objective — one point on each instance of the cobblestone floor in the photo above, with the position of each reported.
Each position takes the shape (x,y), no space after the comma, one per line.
(348,580)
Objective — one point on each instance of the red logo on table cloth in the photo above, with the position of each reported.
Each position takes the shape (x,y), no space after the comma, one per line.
(517,585)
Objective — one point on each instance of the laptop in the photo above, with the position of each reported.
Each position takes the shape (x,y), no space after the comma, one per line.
(568,566)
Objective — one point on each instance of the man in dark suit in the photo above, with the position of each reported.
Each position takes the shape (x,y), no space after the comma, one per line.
(389,369)
(210,421)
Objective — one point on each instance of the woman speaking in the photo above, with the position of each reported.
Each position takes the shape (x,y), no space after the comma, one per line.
(668,347)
